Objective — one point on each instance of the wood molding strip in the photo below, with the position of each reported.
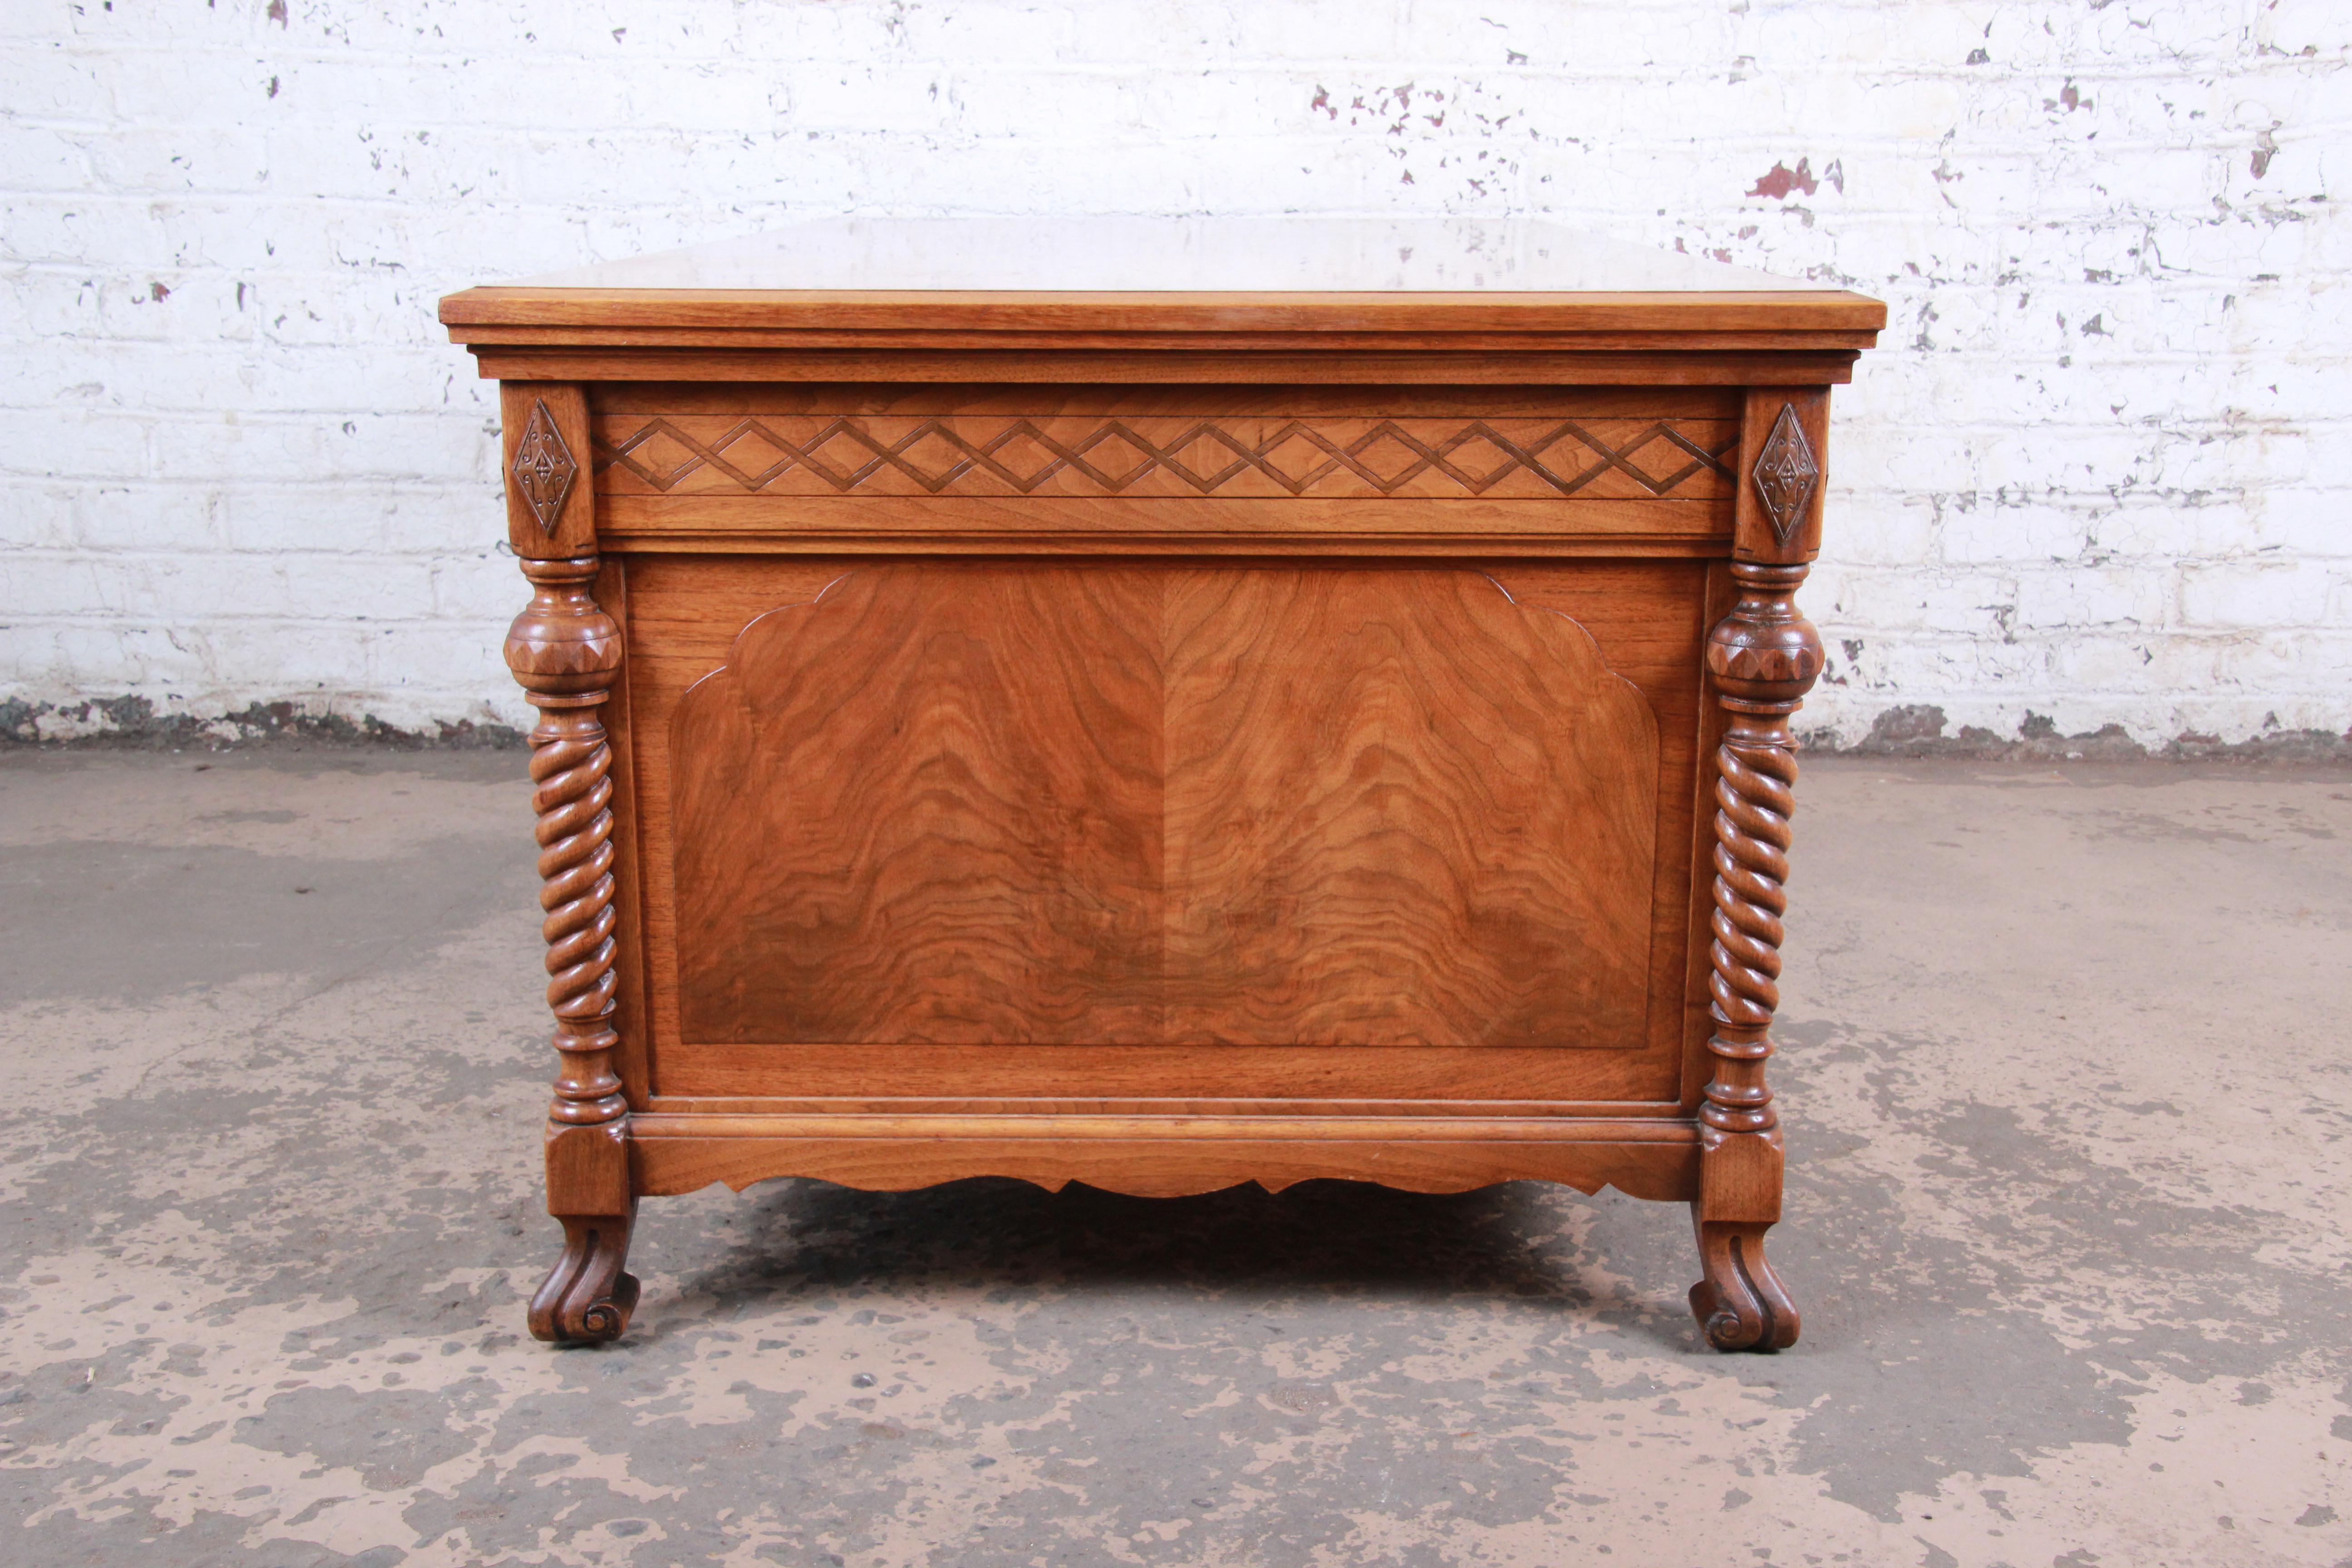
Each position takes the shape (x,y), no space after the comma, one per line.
(1783,366)
(656,1124)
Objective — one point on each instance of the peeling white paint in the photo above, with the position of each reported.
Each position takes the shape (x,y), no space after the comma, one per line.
(2096,476)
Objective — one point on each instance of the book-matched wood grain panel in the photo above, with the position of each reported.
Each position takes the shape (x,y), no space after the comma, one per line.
(1022,805)
(1645,617)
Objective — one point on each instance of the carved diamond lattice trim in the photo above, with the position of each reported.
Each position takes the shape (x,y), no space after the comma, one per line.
(1786,474)
(543,469)
(1203,457)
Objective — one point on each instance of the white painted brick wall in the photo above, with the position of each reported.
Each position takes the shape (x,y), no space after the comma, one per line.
(2097,474)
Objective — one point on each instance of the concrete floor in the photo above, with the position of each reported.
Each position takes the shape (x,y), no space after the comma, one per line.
(2063,1060)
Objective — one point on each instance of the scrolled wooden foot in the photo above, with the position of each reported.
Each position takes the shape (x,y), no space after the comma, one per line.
(587,1297)
(1740,1302)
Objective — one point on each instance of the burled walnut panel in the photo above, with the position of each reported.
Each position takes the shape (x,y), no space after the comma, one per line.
(1028,805)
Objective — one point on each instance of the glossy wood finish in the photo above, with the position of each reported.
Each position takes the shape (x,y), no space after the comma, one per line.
(1467,472)
(1270,456)
(1649,621)
(1167,1155)
(1166,739)
(566,652)
(1036,805)
(763,318)
(926,807)
(1764,656)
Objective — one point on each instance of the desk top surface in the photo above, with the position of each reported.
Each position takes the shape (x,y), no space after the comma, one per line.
(1166,274)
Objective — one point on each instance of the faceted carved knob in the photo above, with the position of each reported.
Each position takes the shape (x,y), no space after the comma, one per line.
(562,644)
(1765,651)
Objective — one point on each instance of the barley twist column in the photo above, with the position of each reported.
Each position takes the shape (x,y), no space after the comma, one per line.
(565,652)
(1764,656)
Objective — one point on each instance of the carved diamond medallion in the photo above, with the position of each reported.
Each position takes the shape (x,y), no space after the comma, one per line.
(543,469)
(1786,473)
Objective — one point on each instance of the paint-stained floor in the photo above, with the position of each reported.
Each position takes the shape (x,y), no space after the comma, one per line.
(2061,1055)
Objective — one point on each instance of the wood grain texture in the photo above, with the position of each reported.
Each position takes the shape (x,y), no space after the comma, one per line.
(1262,1076)
(1400,810)
(927,807)
(1308,526)
(545,466)
(1037,805)
(1161,399)
(901,315)
(1317,1112)
(1166,1156)
(1157,798)
(1219,470)
(1038,453)
(565,650)
(1631,360)
(632,1017)
(1764,656)
(1800,418)
(1651,619)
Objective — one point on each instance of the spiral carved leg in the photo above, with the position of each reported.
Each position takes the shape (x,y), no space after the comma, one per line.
(1740,1302)
(566,653)
(1763,656)
(586,1298)
(572,764)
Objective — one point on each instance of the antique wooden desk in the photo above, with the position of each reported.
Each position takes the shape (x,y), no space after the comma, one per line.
(1163,706)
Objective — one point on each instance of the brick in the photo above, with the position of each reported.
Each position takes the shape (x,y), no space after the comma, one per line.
(1989,528)
(1037,33)
(2252,594)
(2305,664)
(1880,533)
(2079,596)
(36,516)
(2093,472)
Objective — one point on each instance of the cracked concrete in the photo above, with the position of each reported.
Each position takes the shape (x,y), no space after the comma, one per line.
(2068,1120)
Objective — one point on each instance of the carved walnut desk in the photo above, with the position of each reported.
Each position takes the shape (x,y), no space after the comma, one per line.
(1163,706)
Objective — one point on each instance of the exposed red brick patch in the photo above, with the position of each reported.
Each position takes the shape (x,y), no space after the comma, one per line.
(1780,180)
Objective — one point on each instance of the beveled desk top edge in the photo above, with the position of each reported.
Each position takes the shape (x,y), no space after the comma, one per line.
(1835,310)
